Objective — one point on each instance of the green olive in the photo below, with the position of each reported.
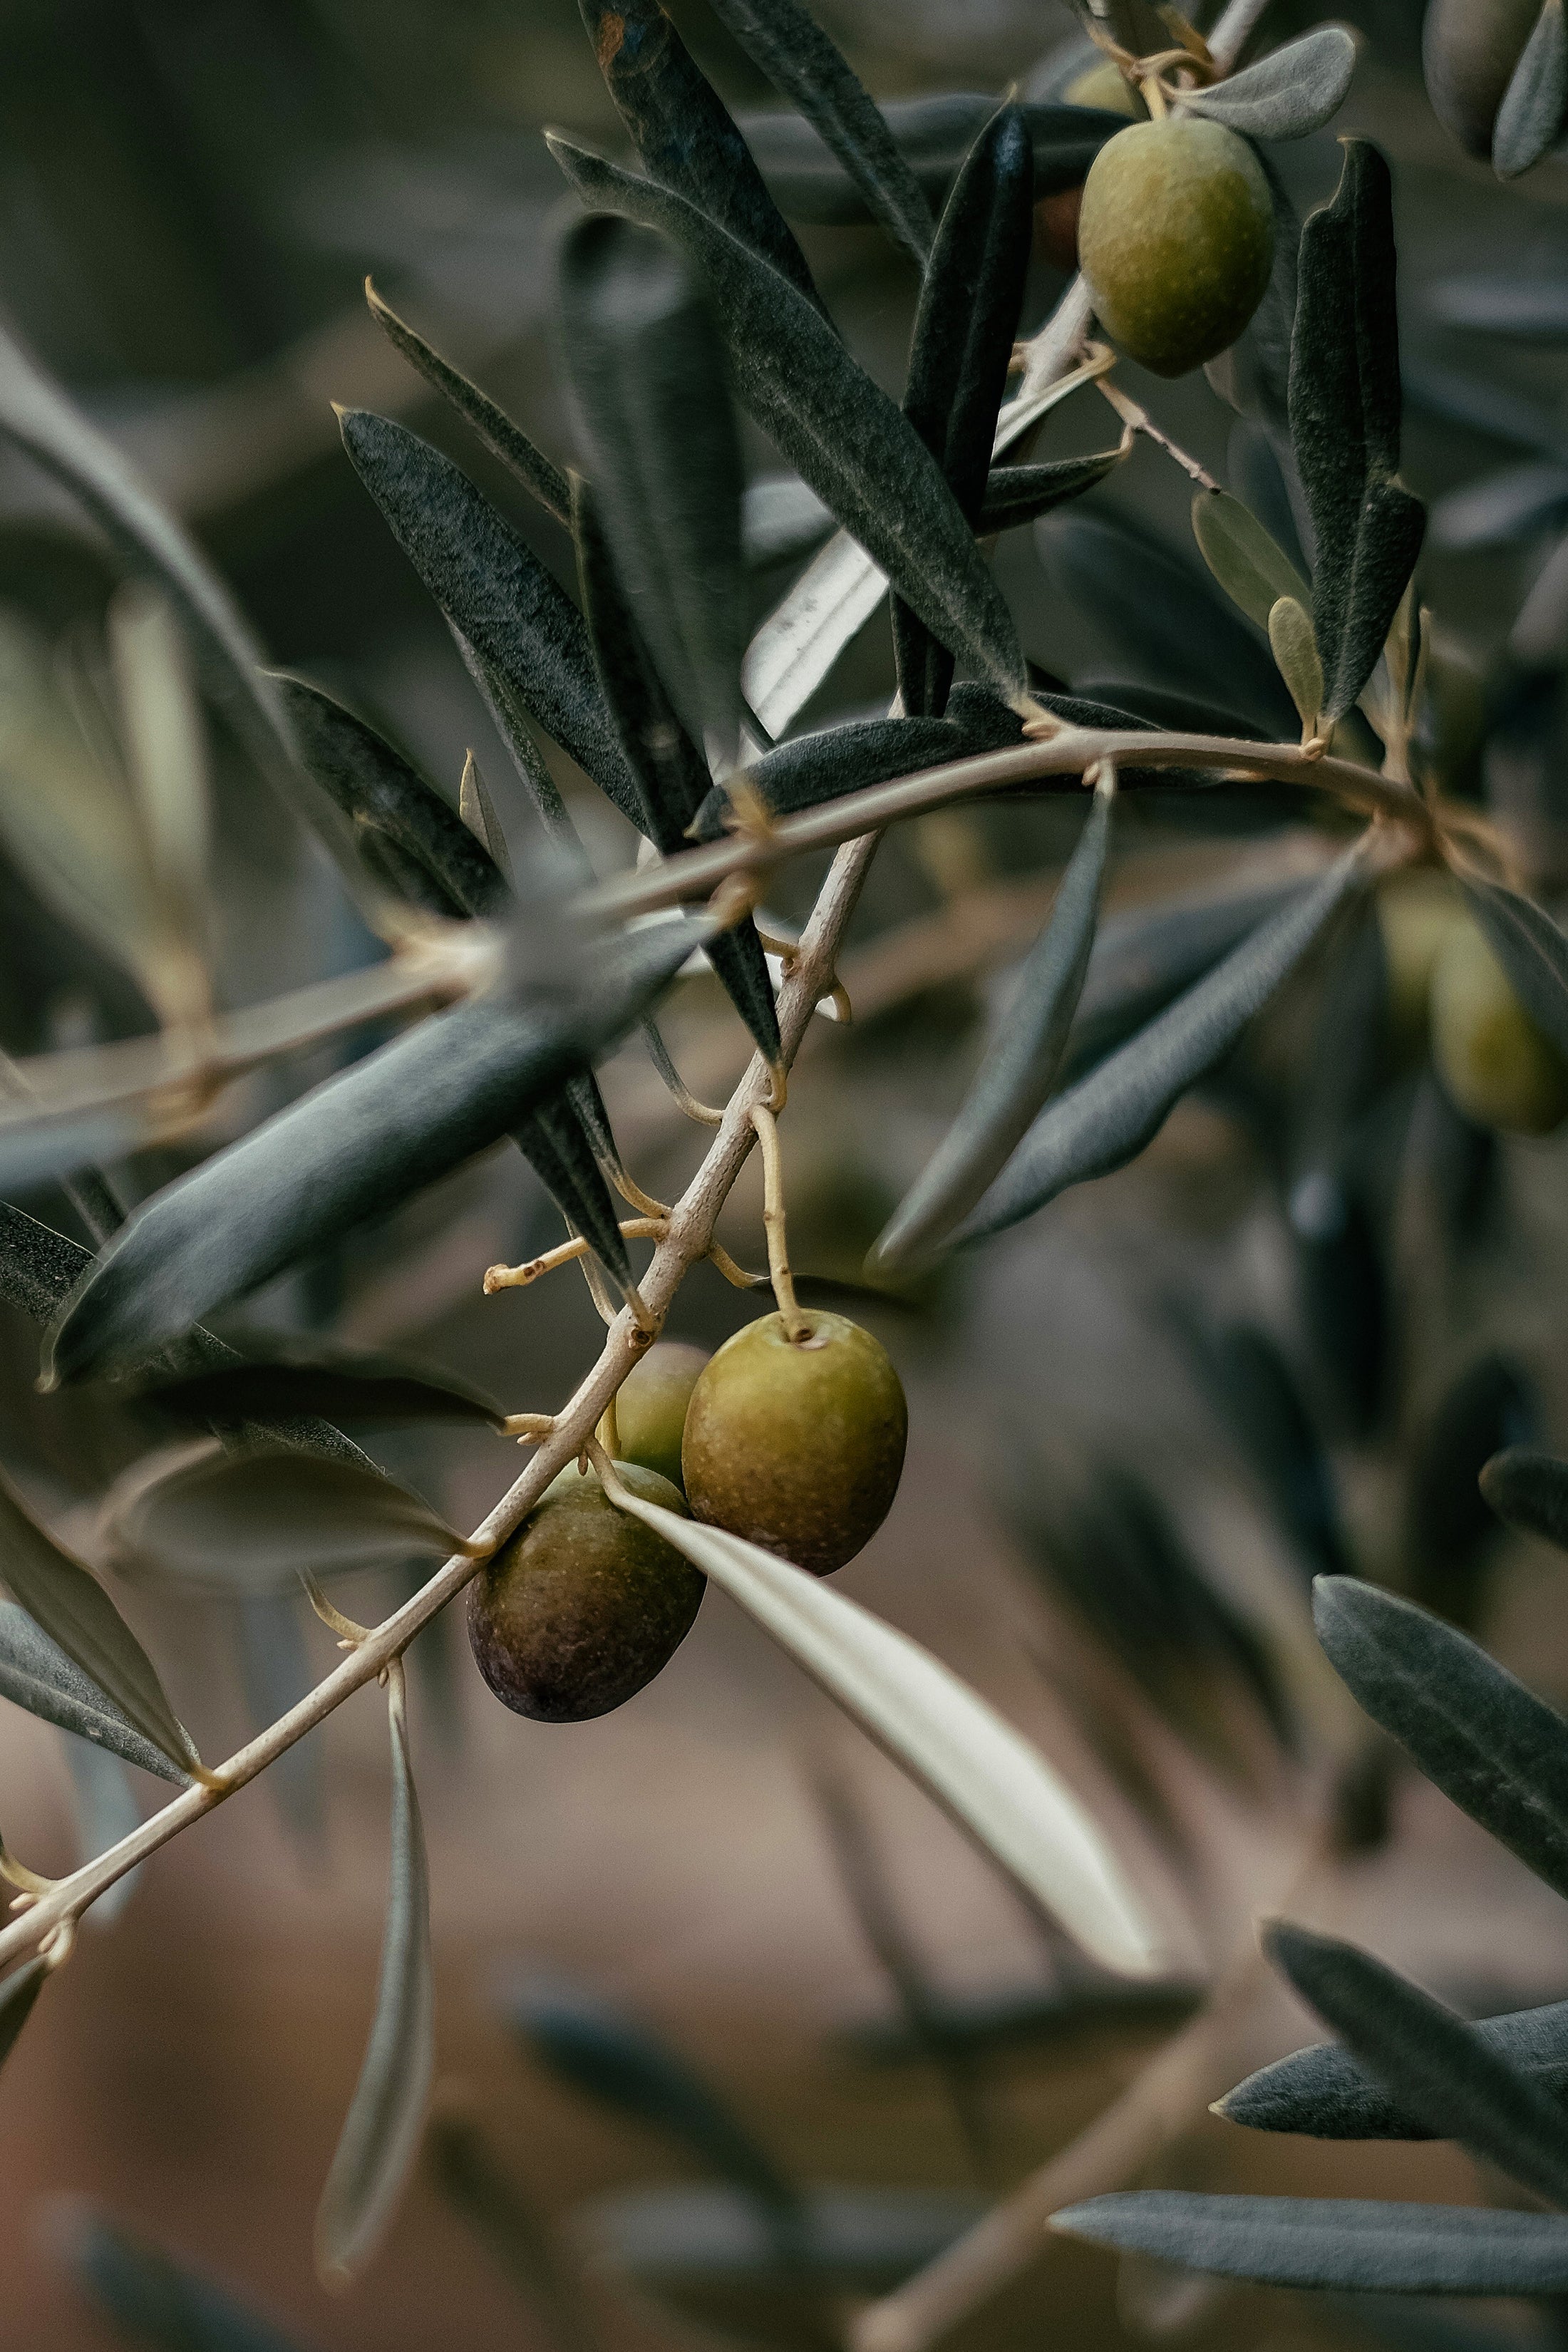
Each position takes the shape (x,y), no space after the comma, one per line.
(1416,913)
(1176,240)
(1106,86)
(1498,1066)
(797,1445)
(650,1408)
(583,1604)
(1468,51)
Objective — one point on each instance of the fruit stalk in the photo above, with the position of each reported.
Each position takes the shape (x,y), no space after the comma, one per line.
(779,1274)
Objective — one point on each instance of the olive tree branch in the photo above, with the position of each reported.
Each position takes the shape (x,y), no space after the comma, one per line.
(690,1238)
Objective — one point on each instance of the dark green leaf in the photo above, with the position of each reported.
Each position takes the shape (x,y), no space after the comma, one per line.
(645,364)
(1450,1534)
(997,2023)
(553,1142)
(685,134)
(495,429)
(351,1148)
(17,1994)
(293,1381)
(1333,2241)
(274,1672)
(1531,950)
(816,768)
(1292,91)
(1324,2092)
(839,429)
(1529,1491)
(681,2244)
(963,335)
(1107,1118)
(205,1518)
(70,1605)
(1498,1751)
(1345,405)
(377,789)
(804,66)
(1531,119)
(381,2131)
(148,2296)
(1020,1069)
(493,589)
(36,1673)
(935,134)
(1259,1396)
(1021,494)
(1429,2060)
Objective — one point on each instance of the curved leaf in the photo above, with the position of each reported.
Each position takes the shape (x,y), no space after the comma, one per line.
(295,1380)
(556,1146)
(1531,950)
(1529,1490)
(1430,2060)
(38,1675)
(934,134)
(149,2297)
(1333,2241)
(1020,1069)
(1289,94)
(349,1149)
(804,65)
(1108,1117)
(380,2132)
(1294,644)
(989,1778)
(797,644)
(68,1603)
(1252,570)
(495,429)
(1015,495)
(1531,119)
(1499,1752)
(835,425)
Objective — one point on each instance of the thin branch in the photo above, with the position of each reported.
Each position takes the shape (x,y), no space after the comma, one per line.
(690,1238)
(1137,419)
(1233,30)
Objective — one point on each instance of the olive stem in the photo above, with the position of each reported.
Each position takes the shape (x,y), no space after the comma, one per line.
(796,1327)
(518,1278)
(609,1434)
(1137,419)
(736,1275)
(528,1428)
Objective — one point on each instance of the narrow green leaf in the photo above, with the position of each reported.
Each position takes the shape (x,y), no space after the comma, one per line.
(1252,570)
(1529,1491)
(990,1779)
(495,429)
(294,1380)
(149,2297)
(812,769)
(803,637)
(1531,950)
(804,67)
(685,134)
(493,589)
(964,336)
(380,2132)
(1326,2092)
(648,371)
(1108,1116)
(1295,648)
(166,749)
(1020,494)
(553,1142)
(1499,1752)
(1020,1069)
(105,1811)
(678,2245)
(38,1675)
(351,1147)
(1333,2241)
(1531,119)
(839,429)
(477,811)
(1430,2061)
(68,1603)
(1289,94)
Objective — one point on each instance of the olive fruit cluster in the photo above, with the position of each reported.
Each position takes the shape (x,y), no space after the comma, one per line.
(795,1443)
(1176,236)
(1496,1065)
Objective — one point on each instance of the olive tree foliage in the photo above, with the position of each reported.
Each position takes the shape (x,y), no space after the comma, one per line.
(686,301)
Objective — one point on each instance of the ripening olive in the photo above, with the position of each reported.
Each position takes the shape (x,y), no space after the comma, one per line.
(797,1445)
(1498,1066)
(1176,240)
(1468,51)
(1416,913)
(650,1407)
(1105,85)
(583,1604)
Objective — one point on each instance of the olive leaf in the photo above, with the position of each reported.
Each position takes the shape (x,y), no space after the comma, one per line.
(804,65)
(686,135)
(1289,94)
(381,792)
(1110,1115)
(1529,1491)
(17,1995)
(1534,111)
(351,1147)
(612,2058)
(1328,2092)
(676,2245)
(1254,572)
(993,1784)
(478,812)
(812,769)
(1345,404)
(208,1517)
(149,2297)
(835,425)
(521,2239)
(165,751)
(1294,646)
(1020,494)
(1429,2060)
(1257,1394)
(1530,949)
(1495,1749)
(495,429)
(647,369)
(1020,1070)
(959,356)
(493,589)
(69,1606)
(38,1675)
(105,1811)
(1481,1420)
(557,1146)
(293,1381)
(1335,2241)
(800,641)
